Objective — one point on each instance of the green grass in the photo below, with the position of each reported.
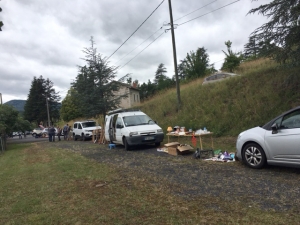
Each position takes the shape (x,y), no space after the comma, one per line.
(263,91)
(41,185)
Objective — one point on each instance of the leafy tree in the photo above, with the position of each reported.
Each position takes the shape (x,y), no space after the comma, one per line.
(282,33)
(8,118)
(35,109)
(232,60)
(195,63)
(94,89)
(69,109)
(22,125)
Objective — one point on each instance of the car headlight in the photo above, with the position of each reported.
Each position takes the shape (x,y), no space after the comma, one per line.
(159,131)
(133,133)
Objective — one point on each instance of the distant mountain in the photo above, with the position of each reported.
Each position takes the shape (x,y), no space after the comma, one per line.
(17,104)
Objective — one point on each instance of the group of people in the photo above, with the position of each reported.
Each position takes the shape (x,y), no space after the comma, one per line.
(65,131)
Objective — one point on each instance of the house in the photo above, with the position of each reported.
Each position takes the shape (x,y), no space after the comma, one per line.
(133,92)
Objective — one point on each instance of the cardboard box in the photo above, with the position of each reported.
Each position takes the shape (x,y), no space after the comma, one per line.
(174,148)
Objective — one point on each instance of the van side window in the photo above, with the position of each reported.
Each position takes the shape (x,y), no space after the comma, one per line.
(119,123)
(79,126)
(75,125)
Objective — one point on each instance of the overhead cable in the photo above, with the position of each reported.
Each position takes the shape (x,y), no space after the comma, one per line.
(139,45)
(195,10)
(209,12)
(141,51)
(135,30)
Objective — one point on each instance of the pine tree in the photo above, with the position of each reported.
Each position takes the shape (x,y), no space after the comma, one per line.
(281,35)
(94,88)
(35,109)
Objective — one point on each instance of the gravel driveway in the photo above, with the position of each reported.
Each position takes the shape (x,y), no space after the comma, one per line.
(275,188)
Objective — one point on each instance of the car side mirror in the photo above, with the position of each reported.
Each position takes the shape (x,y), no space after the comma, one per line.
(274,128)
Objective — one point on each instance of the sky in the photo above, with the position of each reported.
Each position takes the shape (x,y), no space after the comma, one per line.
(43,37)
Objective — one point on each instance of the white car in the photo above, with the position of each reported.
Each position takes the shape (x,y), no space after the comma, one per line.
(84,129)
(275,143)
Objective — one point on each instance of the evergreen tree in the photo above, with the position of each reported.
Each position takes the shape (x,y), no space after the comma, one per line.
(94,88)
(35,109)
(281,34)
(160,73)
(232,60)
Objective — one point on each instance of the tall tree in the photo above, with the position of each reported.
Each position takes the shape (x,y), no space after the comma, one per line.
(282,32)
(35,109)
(94,89)
(196,63)
(160,73)
(232,60)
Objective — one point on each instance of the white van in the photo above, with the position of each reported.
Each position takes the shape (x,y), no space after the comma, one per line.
(132,127)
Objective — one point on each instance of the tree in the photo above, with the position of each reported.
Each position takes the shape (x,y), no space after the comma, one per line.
(69,109)
(160,73)
(195,63)
(35,109)
(282,33)
(8,118)
(94,86)
(232,60)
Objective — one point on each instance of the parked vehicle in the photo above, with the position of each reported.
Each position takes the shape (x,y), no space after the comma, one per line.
(45,132)
(36,131)
(132,127)
(84,129)
(218,77)
(275,143)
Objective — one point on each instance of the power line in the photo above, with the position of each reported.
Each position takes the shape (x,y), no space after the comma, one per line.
(209,12)
(196,10)
(135,30)
(141,51)
(161,28)
(138,45)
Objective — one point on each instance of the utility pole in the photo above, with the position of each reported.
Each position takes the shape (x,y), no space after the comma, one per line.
(175,57)
(48,112)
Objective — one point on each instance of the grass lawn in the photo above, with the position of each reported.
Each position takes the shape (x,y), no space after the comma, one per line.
(48,185)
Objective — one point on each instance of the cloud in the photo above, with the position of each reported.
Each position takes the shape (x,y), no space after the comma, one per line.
(47,37)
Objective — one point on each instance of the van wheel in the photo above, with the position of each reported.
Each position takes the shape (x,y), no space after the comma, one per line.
(74,137)
(126,145)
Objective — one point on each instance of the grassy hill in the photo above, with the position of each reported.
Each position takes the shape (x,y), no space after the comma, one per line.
(263,91)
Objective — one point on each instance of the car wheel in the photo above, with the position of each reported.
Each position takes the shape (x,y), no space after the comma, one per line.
(126,145)
(254,156)
(82,137)
(34,134)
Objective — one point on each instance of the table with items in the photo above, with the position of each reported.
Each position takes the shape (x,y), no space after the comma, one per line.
(178,135)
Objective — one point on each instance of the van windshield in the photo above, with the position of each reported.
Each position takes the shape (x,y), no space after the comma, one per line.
(88,124)
(136,120)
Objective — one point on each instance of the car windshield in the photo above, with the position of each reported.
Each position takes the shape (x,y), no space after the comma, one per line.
(136,120)
(88,124)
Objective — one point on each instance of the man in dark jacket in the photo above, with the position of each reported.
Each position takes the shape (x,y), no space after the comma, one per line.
(51,133)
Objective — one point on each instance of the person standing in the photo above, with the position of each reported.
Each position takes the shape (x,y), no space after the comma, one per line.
(51,134)
(58,133)
(65,130)
(69,133)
